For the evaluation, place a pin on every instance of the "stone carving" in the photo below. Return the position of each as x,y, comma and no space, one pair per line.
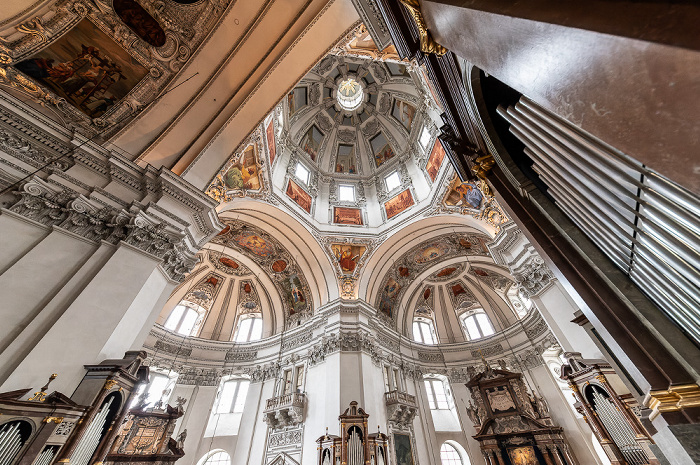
487,351
534,278
431,357
346,135
296,341
173,349
262,373
285,438
85,217
241,355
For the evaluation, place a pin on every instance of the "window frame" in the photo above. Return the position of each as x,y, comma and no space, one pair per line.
348,188
472,314
188,308
450,460
420,322
434,402
232,408
249,338
396,174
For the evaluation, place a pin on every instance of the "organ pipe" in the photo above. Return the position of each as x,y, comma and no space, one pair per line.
10,443
644,223
46,456
91,438
621,432
355,449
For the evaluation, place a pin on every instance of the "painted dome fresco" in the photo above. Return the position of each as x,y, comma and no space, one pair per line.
353,146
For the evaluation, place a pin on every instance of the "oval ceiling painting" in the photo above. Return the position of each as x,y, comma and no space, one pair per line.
140,22
445,272
255,244
430,252
279,266
228,262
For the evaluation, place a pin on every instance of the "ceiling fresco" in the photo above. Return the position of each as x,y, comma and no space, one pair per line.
96,63
276,261
419,258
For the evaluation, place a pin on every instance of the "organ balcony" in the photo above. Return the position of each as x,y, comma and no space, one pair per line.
401,407
285,410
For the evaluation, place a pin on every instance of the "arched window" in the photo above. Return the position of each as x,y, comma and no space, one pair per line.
476,324
424,331
232,396
216,457
184,318
449,455
437,395
249,328
159,388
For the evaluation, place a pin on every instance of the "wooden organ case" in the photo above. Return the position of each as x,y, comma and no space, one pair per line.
355,446
514,426
43,428
609,410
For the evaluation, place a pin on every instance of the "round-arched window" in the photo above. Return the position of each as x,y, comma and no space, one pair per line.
424,331
184,319
249,328
449,455
216,457
476,324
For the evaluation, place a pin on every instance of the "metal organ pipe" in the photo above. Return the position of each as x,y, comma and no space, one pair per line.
10,443
355,449
91,437
45,456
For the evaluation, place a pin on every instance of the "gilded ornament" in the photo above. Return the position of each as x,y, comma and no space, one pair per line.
109,384
427,43
56,420
674,399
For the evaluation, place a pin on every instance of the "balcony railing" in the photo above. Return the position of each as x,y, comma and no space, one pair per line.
398,397
401,408
296,399
285,410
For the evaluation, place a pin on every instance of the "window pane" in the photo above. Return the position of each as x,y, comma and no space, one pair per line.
188,322
472,329
287,381
243,329
226,399
397,382
425,137
174,318
440,394
300,378
218,458
392,181
416,332
155,389
302,173
256,332
431,394
449,456
485,324
239,402
387,388
346,193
